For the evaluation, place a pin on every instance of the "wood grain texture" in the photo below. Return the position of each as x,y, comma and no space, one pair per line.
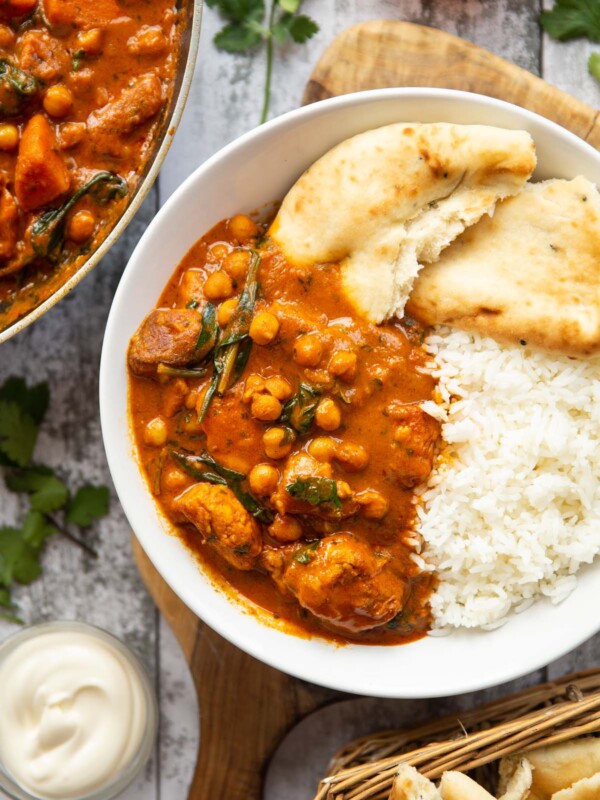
385,53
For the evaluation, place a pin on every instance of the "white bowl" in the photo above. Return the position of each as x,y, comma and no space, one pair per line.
252,171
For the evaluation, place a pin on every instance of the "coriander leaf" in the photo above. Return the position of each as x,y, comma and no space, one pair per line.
302,28
594,65
236,38
19,560
306,554
89,503
36,529
281,31
315,491
300,410
239,10
18,433
33,400
289,6
47,492
572,19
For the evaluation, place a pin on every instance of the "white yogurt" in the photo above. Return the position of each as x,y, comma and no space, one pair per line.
73,712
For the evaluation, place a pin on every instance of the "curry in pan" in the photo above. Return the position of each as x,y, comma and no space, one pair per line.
284,438
83,87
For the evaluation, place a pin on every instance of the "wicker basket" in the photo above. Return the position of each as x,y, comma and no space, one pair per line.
546,714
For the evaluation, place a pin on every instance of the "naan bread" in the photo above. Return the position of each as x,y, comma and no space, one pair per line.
386,201
586,789
456,786
409,784
529,274
559,766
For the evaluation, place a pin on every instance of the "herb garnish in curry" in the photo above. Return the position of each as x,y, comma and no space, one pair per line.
83,88
284,437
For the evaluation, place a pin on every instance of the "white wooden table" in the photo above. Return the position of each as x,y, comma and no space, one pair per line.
64,349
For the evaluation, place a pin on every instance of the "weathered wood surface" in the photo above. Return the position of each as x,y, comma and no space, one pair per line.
64,347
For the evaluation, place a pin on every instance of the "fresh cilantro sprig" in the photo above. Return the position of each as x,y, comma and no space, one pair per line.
246,30
575,19
52,508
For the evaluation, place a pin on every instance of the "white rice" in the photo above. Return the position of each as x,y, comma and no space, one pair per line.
512,508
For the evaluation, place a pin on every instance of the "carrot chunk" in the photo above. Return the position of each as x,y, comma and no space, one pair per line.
80,12
41,174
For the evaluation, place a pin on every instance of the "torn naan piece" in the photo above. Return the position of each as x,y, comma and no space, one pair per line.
391,199
515,779
457,786
409,784
585,789
559,766
530,274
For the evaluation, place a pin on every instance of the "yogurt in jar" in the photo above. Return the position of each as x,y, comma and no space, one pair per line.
74,711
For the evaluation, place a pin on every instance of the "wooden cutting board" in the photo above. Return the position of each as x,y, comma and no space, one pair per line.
247,707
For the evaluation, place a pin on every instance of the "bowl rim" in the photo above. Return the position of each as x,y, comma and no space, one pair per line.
537,657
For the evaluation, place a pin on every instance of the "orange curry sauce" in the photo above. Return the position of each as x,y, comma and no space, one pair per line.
339,570
84,87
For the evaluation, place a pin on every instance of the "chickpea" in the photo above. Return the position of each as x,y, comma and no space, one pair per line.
71,134
173,479
322,448
218,286
9,136
155,432
191,400
58,100
374,505
279,388
264,328
278,442
342,364
90,41
255,384
265,407
308,350
225,311
81,226
263,479
242,228
328,415
236,264
344,490
218,251
353,457
285,529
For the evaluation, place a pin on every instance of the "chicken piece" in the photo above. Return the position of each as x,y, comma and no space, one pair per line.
166,336
41,174
340,580
42,56
300,469
414,443
232,437
223,522
9,222
139,102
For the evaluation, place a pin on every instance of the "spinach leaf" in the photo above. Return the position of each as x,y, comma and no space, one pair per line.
316,491
233,351
16,88
205,469
300,410
47,233
209,332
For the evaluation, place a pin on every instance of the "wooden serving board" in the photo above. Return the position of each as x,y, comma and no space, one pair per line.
247,707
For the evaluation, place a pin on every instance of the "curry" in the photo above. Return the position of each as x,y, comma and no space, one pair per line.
284,437
84,86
